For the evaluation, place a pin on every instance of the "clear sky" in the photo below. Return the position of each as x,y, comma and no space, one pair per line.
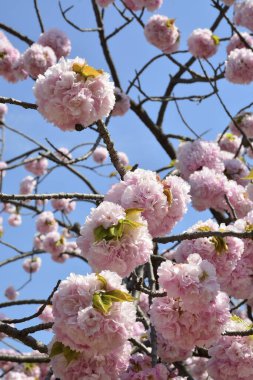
130,51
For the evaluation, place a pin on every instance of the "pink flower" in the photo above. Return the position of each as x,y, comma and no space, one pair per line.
230,142
55,244
228,2
37,59
79,325
161,32
136,5
3,111
56,40
239,66
245,122
104,3
223,254
140,368
123,158
131,247
11,293
97,367
208,190
15,220
193,156
197,368
46,222
195,282
63,154
27,185
72,94
243,14
236,170
3,165
47,314
186,328
169,352
32,265
231,359
238,43
164,202
202,43
11,67
64,205
122,103
100,154
37,166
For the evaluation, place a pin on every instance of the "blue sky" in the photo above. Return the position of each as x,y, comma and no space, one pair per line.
130,51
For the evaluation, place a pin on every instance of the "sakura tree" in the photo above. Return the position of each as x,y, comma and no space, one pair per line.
126,190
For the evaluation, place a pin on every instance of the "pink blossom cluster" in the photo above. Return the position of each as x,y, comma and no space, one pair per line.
244,121
99,367
243,14
140,368
11,65
123,158
188,328
196,366
162,32
235,169
72,94
136,5
100,154
208,190
244,40
84,325
37,166
37,59
32,265
163,202
239,66
231,358
194,282
240,283
193,156
202,43
104,3
222,253
95,338
122,103
230,142
11,293
64,205
27,185
3,111
57,40
128,247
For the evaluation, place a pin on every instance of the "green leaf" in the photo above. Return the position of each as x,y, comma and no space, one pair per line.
230,136
117,295
216,39
249,176
204,229
56,349
169,196
133,212
101,279
101,303
69,354
220,244
170,22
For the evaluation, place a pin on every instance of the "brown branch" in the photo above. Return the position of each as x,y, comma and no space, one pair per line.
16,34
18,102
198,235
102,129
35,2
23,302
41,309
25,358
26,339
18,197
